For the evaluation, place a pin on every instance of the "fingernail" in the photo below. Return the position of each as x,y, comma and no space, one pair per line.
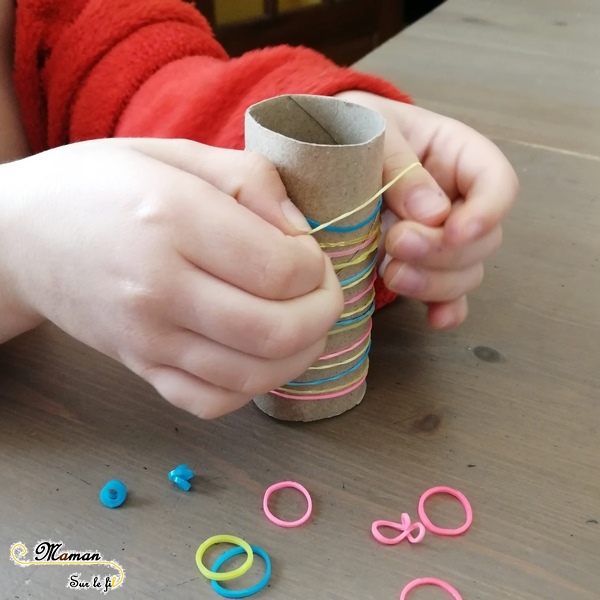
294,217
407,280
425,204
384,263
410,245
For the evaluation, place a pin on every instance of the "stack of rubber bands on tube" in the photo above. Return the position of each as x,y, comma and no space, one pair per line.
329,154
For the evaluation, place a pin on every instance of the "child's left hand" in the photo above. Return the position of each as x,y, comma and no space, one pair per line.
445,218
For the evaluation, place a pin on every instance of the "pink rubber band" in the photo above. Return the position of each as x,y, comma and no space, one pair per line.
279,486
337,394
405,527
350,348
362,294
439,530
352,249
430,581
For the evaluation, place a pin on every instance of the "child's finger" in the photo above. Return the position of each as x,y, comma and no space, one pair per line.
447,315
489,186
416,196
422,246
249,178
227,368
432,286
249,324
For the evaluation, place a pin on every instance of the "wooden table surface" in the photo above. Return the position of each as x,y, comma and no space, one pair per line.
506,409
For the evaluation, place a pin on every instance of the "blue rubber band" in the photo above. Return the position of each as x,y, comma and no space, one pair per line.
350,228
360,317
113,494
359,274
334,377
248,591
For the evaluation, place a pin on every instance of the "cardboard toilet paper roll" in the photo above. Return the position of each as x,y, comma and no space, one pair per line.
329,154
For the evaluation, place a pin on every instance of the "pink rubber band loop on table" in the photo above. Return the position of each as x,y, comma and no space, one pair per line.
451,492
430,581
322,396
282,485
405,527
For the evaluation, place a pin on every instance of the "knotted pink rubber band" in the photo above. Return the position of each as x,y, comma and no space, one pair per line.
451,492
405,527
279,486
430,581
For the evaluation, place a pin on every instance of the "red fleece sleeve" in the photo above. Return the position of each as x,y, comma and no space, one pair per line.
205,98
87,69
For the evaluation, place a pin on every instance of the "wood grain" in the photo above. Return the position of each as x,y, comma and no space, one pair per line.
506,409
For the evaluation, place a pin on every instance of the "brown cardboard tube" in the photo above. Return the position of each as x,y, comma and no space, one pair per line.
329,154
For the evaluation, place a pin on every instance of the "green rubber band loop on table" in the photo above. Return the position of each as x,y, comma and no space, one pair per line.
226,575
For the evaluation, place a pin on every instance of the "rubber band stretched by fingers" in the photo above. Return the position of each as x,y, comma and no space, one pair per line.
376,196
415,583
451,492
248,591
227,575
279,486
330,227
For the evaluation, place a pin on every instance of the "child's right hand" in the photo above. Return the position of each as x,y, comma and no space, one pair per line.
175,258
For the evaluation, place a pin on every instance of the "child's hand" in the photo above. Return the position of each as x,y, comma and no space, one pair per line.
450,212
180,260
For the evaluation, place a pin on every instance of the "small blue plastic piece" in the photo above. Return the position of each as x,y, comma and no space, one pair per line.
181,476
113,494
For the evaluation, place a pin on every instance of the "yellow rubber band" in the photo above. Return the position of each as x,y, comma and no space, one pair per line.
362,308
351,285
343,362
227,575
374,231
323,390
372,199
359,258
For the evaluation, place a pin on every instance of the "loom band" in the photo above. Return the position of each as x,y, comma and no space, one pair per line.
361,308
225,593
356,298
346,287
372,199
358,259
405,527
284,485
341,363
327,396
333,377
345,328
322,391
356,248
451,492
350,348
444,585
327,390
362,273
344,243
224,539
365,315
346,229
